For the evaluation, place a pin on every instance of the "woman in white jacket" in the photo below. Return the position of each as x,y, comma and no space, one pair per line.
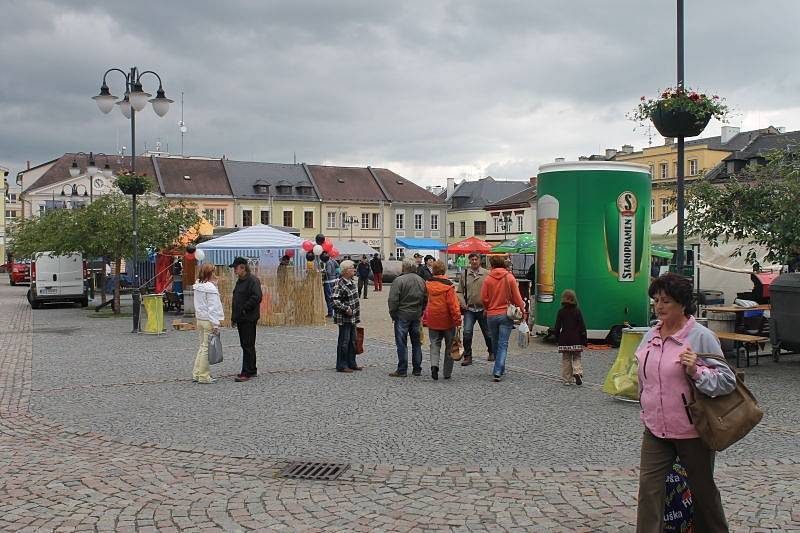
208,310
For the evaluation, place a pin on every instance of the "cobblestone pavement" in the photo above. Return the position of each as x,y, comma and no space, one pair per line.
101,430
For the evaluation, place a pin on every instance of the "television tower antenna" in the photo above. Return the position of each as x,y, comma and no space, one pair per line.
182,124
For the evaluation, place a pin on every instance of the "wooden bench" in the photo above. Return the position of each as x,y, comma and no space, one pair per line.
742,342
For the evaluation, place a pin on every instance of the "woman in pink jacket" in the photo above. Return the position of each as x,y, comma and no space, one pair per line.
667,360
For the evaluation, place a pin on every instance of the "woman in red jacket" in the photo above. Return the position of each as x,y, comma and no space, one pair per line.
500,289
442,316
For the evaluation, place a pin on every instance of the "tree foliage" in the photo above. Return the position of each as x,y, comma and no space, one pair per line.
758,206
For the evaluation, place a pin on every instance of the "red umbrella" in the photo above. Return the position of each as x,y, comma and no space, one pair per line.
470,245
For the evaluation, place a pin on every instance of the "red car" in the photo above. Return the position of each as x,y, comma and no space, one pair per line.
20,272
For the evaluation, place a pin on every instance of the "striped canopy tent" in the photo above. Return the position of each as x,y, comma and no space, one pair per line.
659,250
255,243
470,245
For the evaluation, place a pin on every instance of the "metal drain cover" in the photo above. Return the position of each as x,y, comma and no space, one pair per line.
318,471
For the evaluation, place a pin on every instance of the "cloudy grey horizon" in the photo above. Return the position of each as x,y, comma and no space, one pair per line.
431,90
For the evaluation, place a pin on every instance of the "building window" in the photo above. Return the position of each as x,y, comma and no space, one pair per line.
463,228
265,217
376,220
434,222
343,220
451,229
665,207
364,220
652,209
399,221
219,220
42,208
331,220
288,219
308,219
8,213
13,197
693,167
479,227
417,221
208,214
652,170
520,223
496,224
247,217
399,253
13,213
663,170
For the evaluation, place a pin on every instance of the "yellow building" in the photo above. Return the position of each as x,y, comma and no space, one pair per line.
702,155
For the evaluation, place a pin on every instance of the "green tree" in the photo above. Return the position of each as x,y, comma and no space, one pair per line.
105,229
758,206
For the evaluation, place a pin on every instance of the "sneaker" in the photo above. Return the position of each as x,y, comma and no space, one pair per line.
491,357
416,373
397,374
209,382
497,377
578,380
435,373
467,361
241,378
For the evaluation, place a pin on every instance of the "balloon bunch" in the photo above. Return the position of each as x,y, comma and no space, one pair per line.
192,253
322,246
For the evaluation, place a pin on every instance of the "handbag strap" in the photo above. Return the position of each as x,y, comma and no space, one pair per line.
510,292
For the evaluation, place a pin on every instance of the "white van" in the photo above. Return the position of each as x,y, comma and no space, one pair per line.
58,278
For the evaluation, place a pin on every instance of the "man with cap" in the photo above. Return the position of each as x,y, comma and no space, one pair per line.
245,312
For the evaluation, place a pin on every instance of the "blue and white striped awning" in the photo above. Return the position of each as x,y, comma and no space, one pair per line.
250,243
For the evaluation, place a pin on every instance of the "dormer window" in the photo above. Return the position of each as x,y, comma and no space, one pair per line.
303,190
284,188
261,187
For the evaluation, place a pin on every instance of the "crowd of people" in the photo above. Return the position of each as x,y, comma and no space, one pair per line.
670,357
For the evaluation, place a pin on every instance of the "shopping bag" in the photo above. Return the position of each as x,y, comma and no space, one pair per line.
422,335
214,349
523,335
359,340
678,509
623,378
457,348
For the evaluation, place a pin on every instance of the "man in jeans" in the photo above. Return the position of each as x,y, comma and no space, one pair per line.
330,276
407,299
469,296
346,314
245,312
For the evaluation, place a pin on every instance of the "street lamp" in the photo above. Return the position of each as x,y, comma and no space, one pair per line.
91,169
505,223
351,220
72,191
134,99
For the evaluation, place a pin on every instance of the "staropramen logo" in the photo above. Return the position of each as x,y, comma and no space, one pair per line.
627,205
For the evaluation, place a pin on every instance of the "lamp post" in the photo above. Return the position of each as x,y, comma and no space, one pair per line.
91,169
505,223
72,191
350,220
679,259
135,99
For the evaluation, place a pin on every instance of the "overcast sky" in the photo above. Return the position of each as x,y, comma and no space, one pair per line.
431,89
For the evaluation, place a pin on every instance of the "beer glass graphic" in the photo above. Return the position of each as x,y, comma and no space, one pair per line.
546,235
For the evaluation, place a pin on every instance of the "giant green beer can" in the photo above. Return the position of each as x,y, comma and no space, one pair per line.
593,236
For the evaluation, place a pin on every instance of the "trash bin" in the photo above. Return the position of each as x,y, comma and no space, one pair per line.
785,313
153,305
723,323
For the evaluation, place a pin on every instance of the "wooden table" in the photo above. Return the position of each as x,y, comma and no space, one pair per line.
738,311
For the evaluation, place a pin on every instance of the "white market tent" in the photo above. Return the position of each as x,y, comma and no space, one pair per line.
717,269
355,249
261,243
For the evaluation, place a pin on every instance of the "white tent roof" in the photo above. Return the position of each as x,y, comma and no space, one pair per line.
665,232
261,237
353,248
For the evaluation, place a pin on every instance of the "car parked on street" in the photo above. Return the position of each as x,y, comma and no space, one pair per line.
58,278
19,271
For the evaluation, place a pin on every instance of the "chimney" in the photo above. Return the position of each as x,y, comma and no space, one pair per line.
28,164
533,180
559,159
627,149
728,133
451,186
668,141
610,153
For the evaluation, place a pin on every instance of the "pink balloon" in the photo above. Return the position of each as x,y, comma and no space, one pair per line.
334,252
308,246
327,246
289,253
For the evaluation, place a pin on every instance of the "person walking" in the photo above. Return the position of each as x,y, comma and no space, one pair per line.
498,291
330,275
208,313
346,314
570,331
376,265
443,315
469,298
245,312
363,276
408,297
668,359
461,263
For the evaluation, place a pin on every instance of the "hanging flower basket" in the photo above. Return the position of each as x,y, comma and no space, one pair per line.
133,184
680,112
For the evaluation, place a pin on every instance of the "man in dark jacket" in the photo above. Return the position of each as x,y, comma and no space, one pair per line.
363,271
245,312
377,272
424,270
407,300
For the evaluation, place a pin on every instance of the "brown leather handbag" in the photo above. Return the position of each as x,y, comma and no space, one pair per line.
723,420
